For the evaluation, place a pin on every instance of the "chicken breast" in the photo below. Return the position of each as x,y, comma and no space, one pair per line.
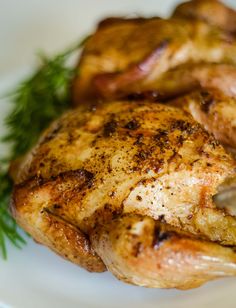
130,186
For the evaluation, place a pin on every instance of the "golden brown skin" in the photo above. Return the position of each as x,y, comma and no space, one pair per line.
160,59
97,175
212,11
219,119
214,110
146,252
186,78
122,55
211,97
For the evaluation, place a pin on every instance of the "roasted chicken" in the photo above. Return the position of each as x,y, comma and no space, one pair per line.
215,111
129,55
210,96
129,187
136,179
132,59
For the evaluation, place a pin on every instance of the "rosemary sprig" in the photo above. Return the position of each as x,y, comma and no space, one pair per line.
36,102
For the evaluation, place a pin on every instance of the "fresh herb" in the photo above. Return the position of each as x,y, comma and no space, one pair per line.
36,102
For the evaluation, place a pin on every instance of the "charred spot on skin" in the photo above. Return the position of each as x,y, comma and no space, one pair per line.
39,180
42,211
56,206
139,140
79,175
180,140
107,206
109,128
162,138
159,237
139,198
137,249
112,194
89,176
206,101
135,169
70,138
161,134
142,155
214,143
109,168
183,126
113,213
132,125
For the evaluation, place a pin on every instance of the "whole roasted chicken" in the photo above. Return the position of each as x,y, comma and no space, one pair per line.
138,179
130,187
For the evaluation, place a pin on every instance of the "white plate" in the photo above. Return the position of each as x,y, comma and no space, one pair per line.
34,276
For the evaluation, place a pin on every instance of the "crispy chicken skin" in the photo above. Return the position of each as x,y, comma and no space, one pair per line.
215,111
212,11
187,78
122,55
146,252
210,78
210,96
129,186
158,59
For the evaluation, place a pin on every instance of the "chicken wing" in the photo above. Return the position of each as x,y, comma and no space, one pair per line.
131,190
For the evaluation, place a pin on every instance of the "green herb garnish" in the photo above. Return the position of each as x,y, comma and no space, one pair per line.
36,102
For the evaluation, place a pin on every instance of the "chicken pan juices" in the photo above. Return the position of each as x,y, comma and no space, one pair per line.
139,177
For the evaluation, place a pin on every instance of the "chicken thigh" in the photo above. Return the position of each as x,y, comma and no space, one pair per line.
130,187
